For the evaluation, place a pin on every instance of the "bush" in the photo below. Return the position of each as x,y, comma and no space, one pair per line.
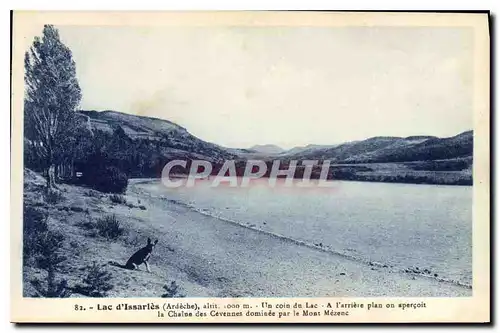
109,227
40,245
48,246
96,283
86,225
108,179
34,224
118,199
172,290
53,196
52,289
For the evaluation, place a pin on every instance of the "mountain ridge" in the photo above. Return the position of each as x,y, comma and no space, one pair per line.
378,149
382,149
175,141
267,149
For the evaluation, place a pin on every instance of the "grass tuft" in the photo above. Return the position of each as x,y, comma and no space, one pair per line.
109,227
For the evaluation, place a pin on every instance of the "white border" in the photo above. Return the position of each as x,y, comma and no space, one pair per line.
186,5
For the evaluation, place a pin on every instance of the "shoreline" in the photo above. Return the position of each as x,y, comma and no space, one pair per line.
207,257
299,249
310,245
340,180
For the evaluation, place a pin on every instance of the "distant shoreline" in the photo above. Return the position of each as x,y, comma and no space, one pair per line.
383,173
362,180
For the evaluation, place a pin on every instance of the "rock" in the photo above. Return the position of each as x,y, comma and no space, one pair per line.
342,274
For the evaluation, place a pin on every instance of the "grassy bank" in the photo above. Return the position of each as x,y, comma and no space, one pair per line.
94,233
439,172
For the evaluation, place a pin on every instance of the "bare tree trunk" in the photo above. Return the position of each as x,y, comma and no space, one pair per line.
51,177
51,172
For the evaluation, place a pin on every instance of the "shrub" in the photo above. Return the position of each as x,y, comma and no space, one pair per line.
87,225
142,207
52,289
41,246
53,196
96,283
49,244
34,224
109,179
109,227
34,220
172,290
118,199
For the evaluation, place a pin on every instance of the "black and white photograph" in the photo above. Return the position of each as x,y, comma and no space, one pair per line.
238,161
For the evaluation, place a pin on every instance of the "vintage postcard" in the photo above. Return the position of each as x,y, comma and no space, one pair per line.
250,167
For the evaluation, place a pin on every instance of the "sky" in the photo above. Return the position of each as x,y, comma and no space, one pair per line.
289,86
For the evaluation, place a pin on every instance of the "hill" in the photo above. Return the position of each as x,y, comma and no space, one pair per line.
141,146
171,141
267,149
307,148
393,149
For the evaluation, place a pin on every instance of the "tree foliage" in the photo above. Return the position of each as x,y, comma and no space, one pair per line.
52,94
97,283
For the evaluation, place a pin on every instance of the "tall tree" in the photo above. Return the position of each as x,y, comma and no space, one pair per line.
52,94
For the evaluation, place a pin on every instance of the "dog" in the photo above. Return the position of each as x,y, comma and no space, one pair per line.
141,256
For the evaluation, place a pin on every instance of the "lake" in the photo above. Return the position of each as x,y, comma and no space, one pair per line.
401,226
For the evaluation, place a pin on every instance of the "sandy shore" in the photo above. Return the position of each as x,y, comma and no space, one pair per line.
205,256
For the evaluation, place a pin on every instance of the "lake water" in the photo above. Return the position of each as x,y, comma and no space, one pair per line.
399,225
